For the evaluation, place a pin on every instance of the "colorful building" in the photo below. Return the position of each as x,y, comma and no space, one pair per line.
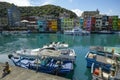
84,24
98,22
104,22
115,22
110,23
67,24
81,22
93,20
88,24
119,24
52,25
42,25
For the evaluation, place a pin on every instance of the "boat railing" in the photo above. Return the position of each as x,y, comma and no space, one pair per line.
87,54
92,68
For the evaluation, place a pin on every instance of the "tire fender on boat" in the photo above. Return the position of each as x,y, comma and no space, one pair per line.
10,56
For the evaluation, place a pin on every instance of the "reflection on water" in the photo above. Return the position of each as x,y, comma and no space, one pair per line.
81,44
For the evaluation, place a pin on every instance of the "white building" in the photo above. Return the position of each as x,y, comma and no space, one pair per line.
98,23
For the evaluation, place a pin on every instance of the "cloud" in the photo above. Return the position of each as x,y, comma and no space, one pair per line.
110,12
18,2
77,11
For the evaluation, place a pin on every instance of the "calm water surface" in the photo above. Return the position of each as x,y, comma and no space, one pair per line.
80,44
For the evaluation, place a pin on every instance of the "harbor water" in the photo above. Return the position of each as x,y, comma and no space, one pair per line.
81,44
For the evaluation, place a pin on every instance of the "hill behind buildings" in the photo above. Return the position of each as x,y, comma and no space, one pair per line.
36,10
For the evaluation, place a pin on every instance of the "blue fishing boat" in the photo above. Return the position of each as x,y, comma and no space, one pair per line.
101,56
49,61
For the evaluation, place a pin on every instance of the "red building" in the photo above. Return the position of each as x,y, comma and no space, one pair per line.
93,21
110,23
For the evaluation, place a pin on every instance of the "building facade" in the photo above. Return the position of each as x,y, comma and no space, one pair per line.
54,25
42,25
98,22
93,20
88,24
81,22
87,14
115,22
119,24
104,22
67,24
110,23
13,16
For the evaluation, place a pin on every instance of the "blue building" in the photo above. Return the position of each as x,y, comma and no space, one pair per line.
81,22
42,25
13,16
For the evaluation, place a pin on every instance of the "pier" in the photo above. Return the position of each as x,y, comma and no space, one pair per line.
18,73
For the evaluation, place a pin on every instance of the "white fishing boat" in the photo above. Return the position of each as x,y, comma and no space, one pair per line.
56,45
33,53
76,31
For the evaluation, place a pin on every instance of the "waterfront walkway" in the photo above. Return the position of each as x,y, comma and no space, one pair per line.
18,73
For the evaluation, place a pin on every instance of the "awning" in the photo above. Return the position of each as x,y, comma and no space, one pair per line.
25,21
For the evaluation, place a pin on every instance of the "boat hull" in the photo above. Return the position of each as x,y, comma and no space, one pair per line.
49,65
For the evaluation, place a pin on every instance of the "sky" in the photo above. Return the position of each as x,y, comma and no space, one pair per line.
108,7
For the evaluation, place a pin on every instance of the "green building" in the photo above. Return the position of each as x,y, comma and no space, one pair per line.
115,22
67,23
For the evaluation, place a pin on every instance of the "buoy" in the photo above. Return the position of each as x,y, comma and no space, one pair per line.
96,72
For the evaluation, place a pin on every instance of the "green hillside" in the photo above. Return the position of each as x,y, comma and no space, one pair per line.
36,10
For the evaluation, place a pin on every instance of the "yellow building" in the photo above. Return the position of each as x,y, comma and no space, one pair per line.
52,25
118,24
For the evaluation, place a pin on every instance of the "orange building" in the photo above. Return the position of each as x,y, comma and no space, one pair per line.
85,24
93,20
